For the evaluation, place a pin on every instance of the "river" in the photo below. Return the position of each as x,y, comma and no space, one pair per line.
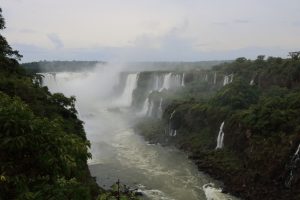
118,153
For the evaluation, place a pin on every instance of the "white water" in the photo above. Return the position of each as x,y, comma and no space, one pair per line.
172,132
130,85
227,79
156,83
220,139
144,110
166,82
158,172
172,114
182,80
251,82
160,110
293,166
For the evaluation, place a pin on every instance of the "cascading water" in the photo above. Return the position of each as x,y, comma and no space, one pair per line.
160,110
150,109
215,78
182,80
172,81
156,83
172,132
220,139
292,166
118,153
166,82
251,82
206,77
227,79
130,85
49,79
144,110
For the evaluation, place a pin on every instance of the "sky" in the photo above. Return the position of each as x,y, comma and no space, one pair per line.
151,30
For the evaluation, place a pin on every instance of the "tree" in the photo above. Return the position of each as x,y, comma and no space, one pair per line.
5,50
295,55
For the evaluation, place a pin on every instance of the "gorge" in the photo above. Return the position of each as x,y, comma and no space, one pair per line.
117,152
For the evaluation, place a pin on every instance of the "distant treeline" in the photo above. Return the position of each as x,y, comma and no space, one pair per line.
168,65
61,66
75,66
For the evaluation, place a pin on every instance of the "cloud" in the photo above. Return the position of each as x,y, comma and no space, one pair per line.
26,30
220,23
56,41
296,23
173,48
241,21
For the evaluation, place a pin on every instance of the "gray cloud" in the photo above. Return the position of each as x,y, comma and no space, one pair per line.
241,21
220,23
170,51
26,30
55,40
149,30
296,23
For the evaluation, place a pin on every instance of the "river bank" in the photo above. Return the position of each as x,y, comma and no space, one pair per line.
223,165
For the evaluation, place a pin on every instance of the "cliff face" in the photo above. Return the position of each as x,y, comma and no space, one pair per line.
255,151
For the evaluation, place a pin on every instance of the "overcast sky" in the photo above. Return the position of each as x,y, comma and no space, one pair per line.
141,30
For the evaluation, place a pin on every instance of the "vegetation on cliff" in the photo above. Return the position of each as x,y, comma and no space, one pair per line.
260,110
43,147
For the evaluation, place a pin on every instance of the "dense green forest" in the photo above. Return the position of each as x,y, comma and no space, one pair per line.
260,110
43,145
44,149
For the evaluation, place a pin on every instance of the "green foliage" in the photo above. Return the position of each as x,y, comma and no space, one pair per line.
118,192
43,147
6,51
262,123
35,151
237,95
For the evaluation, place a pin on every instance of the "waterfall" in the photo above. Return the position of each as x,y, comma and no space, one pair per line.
175,133
206,77
169,81
156,83
220,142
292,166
172,132
144,110
215,78
231,78
176,80
150,108
172,114
160,111
130,85
182,80
251,82
166,82
227,79
49,80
